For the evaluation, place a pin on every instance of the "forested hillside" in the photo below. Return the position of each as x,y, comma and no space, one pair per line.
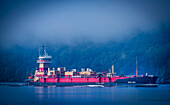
152,49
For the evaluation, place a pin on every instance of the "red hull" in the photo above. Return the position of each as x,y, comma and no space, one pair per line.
80,80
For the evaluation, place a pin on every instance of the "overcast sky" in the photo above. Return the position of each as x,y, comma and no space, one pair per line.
32,22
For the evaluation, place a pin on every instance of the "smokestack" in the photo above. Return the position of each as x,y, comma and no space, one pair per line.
136,67
113,69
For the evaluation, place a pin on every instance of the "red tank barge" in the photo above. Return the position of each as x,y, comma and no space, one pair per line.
45,76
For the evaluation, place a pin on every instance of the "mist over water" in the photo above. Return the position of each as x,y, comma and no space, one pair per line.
29,23
85,34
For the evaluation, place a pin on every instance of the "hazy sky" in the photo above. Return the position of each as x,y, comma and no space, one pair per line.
30,22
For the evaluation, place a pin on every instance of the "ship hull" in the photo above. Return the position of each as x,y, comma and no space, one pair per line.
140,80
133,81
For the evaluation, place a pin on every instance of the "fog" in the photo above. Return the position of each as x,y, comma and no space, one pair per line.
31,22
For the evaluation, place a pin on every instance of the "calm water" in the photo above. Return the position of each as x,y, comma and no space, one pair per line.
29,95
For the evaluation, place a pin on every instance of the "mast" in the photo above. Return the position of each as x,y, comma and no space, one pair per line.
39,52
136,67
44,61
42,51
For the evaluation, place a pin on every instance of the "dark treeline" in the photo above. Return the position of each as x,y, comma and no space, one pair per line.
152,49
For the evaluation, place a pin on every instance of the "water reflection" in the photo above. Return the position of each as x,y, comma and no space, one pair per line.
84,95
71,93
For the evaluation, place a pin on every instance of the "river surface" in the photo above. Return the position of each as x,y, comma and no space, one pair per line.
30,95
